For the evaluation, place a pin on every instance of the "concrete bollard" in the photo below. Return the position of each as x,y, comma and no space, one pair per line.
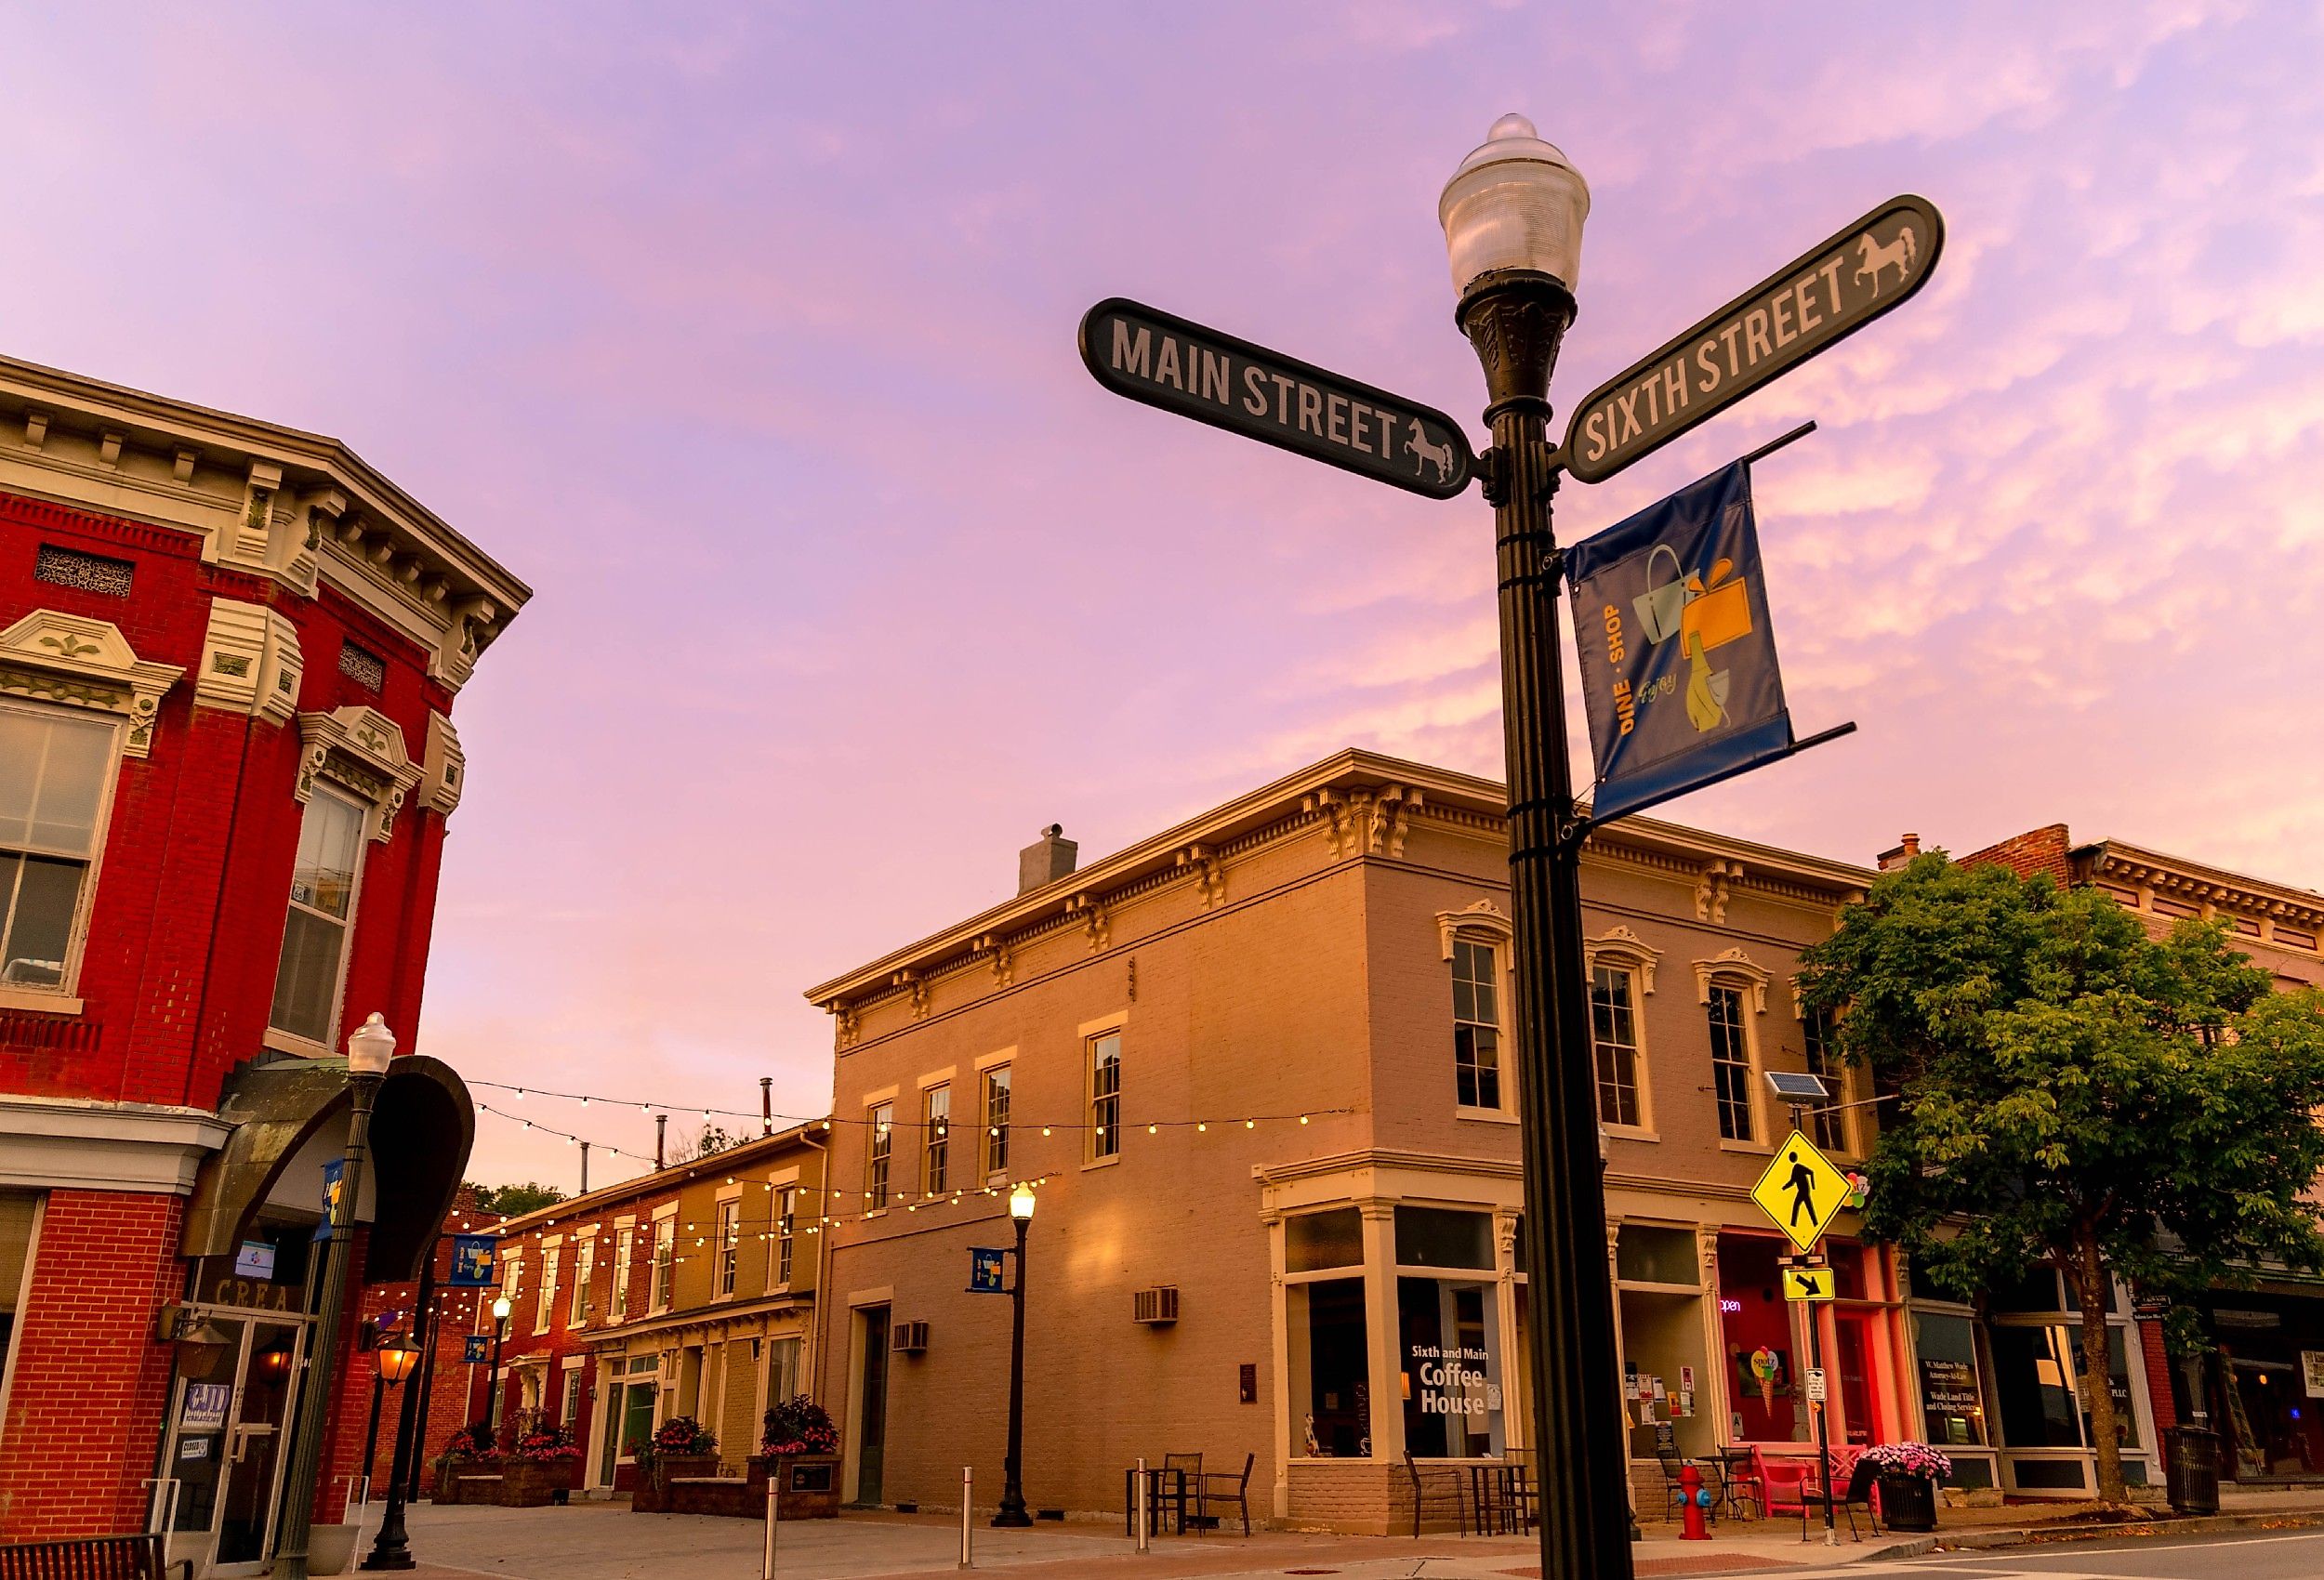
775,1494
967,1520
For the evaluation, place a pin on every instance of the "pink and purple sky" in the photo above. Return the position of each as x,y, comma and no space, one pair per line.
745,336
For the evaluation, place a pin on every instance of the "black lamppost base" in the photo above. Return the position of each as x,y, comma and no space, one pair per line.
1012,1518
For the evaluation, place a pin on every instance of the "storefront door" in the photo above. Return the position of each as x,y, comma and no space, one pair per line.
871,1438
1858,1411
226,1448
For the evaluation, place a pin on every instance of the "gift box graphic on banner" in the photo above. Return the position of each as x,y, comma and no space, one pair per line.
1678,659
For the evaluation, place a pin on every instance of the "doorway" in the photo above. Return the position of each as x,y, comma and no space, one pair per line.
227,1448
871,1392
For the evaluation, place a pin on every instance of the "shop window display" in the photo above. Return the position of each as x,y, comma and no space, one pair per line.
1330,1391
1756,1333
1450,1356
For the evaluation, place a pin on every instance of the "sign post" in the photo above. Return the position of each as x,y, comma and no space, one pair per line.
1799,1191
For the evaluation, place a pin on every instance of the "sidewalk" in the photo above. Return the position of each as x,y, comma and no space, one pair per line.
602,1541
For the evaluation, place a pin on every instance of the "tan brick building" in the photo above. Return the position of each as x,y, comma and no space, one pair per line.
1260,1060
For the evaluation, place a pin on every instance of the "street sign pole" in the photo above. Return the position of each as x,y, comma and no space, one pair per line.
1517,318
1819,1408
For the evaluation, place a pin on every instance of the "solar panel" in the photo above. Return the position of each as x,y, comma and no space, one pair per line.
1794,1086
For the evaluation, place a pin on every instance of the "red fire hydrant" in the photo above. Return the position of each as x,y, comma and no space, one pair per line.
1694,1498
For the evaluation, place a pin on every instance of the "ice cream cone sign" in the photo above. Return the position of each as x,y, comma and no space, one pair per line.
1766,1366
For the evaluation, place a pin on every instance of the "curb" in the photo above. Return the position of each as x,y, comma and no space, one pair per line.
2036,1535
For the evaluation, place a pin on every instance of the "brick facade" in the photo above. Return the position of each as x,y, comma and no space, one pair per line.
195,583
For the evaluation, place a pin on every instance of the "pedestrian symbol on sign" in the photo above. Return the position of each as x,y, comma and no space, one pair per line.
1800,1190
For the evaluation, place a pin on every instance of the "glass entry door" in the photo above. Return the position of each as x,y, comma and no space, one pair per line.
227,1445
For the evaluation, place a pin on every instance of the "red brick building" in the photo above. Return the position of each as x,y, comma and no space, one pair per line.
229,652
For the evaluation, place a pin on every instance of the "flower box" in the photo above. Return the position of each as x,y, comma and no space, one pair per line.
652,1493
809,1486
531,1483
461,1479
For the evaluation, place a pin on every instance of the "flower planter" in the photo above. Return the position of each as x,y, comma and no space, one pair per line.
467,1481
652,1495
810,1483
531,1483
1908,1503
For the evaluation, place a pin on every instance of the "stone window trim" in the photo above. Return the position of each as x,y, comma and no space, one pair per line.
1736,969
1620,946
1486,922
361,750
54,657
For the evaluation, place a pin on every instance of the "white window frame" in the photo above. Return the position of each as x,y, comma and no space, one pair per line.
880,1155
726,1243
935,1139
545,1309
583,1305
783,1200
1484,922
62,997
569,1397
1624,950
291,1042
1102,1143
993,1139
662,1269
1498,953
1642,1126
618,1297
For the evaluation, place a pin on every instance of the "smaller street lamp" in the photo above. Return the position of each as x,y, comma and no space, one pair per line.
1013,1511
391,1363
500,1331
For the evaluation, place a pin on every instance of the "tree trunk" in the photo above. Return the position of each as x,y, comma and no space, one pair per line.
2096,1290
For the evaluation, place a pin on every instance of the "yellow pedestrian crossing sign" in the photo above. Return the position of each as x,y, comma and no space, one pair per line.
1808,1284
1800,1190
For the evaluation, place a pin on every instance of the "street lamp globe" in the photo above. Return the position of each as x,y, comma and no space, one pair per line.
1020,1204
397,1357
370,1045
1515,203
500,1309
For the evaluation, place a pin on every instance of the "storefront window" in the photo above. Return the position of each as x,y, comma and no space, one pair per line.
2034,1378
17,1210
1952,1405
1756,1330
1328,1368
1450,1354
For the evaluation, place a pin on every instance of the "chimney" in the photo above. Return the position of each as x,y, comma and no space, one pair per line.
1046,860
1907,846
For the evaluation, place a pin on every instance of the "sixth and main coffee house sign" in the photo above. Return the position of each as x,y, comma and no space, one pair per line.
1827,294
1165,360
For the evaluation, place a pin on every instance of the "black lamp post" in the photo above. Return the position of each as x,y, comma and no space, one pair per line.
500,1331
369,1048
1012,1478
1513,215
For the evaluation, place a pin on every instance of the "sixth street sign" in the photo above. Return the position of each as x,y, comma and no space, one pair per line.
1818,300
1166,361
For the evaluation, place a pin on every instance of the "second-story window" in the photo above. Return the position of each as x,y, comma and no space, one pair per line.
55,770
617,1297
1828,1126
785,1231
878,1152
1614,1040
665,1253
1476,1024
322,913
584,1268
935,1139
1731,1064
996,1120
541,1313
729,1237
1106,1096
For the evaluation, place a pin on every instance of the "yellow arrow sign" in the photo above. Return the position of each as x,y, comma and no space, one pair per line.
1808,1284
1800,1190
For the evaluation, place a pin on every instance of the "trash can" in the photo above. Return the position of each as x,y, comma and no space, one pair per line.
2191,1469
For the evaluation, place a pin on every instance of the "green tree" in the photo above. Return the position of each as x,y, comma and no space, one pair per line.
2074,1090
513,1201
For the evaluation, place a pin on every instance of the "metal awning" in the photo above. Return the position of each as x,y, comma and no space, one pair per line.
422,1125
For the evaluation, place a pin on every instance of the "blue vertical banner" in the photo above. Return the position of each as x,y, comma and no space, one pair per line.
334,1173
475,1349
1678,657
984,1271
473,1265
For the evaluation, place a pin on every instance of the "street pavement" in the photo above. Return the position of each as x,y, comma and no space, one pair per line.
605,1541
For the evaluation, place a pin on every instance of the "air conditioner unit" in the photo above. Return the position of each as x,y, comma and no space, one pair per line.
1157,1305
909,1338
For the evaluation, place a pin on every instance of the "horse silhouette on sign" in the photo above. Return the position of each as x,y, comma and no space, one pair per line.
1423,452
1872,258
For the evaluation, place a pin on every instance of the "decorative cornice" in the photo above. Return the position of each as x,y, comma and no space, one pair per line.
1711,890
54,657
443,771
363,750
1210,873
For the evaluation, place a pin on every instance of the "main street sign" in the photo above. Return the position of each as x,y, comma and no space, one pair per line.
1800,1190
1818,300
1165,360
